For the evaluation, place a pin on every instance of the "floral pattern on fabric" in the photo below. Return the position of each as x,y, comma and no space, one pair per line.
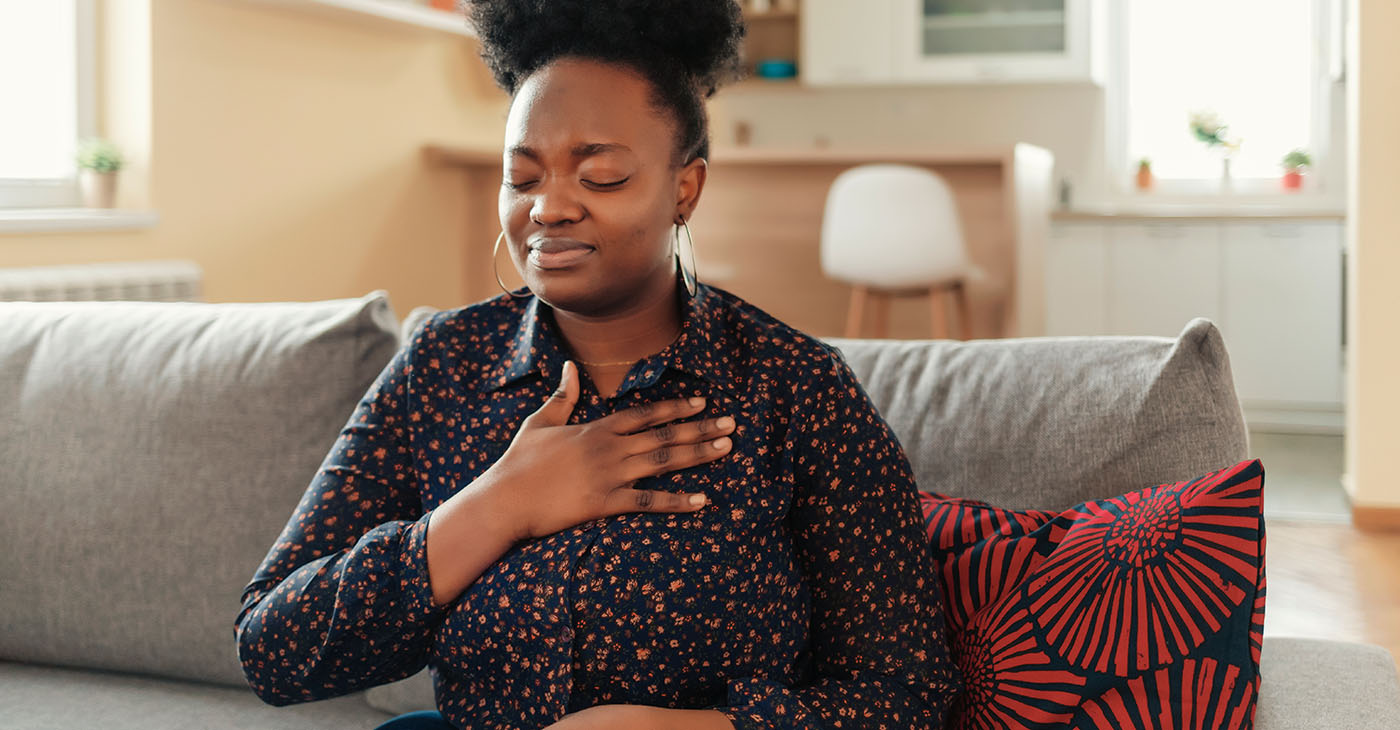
801,596
1139,611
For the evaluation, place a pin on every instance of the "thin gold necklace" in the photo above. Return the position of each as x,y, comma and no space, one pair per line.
623,362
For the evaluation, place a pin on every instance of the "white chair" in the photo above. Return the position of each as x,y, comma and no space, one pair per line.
893,230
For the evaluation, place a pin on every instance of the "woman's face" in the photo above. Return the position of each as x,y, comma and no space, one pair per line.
588,176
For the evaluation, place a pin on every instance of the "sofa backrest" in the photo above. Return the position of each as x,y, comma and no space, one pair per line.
152,453
1048,422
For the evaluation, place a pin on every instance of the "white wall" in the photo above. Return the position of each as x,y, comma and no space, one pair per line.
1373,238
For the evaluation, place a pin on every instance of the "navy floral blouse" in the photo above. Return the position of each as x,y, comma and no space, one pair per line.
802,595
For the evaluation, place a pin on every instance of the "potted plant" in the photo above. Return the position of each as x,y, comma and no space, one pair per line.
1144,174
99,161
1293,165
1208,127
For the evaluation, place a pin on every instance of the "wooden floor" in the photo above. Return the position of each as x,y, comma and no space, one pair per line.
1332,581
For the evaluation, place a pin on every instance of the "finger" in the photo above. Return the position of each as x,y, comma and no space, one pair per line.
646,415
672,434
625,499
560,404
673,458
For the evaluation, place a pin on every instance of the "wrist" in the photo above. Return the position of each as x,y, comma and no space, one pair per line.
504,515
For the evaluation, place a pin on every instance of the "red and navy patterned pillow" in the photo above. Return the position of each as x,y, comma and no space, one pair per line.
1140,611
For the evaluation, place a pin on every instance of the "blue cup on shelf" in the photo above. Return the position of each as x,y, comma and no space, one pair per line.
777,68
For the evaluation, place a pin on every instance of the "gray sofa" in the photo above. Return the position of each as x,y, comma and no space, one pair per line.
152,452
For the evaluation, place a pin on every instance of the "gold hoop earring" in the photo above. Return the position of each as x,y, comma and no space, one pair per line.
692,283
494,253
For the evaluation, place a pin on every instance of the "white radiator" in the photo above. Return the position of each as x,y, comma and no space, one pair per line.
153,281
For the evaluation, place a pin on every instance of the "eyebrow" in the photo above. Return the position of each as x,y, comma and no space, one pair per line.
587,149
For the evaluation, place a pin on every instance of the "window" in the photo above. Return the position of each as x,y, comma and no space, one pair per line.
47,74
1261,66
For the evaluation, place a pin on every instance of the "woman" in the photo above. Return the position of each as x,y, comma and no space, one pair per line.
509,504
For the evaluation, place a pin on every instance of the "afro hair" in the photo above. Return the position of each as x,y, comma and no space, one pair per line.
685,48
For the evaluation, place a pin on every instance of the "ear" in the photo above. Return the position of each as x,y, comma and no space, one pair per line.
689,184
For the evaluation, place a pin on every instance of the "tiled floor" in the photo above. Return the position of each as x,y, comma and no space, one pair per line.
1302,476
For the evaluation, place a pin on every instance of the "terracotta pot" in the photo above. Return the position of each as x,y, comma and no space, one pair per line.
1144,177
1293,180
99,189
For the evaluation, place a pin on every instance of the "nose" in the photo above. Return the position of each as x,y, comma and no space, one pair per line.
555,203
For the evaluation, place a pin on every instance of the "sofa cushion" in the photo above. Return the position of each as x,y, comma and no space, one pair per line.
1112,614
50,698
1311,684
1048,422
152,453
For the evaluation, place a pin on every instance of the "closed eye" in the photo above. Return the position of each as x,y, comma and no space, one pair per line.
522,185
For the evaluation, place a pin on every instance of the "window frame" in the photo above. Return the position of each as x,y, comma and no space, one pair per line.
1324,146
64,192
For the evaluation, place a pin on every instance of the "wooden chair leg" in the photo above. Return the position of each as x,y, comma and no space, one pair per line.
882,314
939,313
855,313
964,312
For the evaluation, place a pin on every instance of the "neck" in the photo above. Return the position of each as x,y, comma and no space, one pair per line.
639,332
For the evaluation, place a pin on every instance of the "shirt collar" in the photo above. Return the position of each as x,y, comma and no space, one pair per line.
702,349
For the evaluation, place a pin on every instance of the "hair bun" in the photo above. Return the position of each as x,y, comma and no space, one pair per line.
699,38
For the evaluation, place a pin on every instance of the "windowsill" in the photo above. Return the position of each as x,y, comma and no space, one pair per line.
47,220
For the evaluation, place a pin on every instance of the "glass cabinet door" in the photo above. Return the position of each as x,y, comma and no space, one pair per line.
988,41
993,27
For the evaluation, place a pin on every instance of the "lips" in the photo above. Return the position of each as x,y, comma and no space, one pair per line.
558,253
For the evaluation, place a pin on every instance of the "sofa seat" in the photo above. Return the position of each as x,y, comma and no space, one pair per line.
39,697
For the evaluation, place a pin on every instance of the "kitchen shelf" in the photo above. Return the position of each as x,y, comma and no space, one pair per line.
752,16
400,13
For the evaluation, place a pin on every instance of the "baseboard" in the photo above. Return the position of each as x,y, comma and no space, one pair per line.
1378,519
1273,419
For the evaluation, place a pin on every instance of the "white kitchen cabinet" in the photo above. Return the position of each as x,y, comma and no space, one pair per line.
845,42
1076,272
1161,275
1272,287
953,41
1282,315
990,41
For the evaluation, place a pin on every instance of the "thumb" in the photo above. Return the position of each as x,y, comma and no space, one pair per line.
560,404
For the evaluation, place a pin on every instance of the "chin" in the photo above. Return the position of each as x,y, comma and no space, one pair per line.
570,291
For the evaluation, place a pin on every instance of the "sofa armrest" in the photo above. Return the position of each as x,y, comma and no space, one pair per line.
1316,684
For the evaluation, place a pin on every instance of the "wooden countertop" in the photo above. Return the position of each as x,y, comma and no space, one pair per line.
1183,213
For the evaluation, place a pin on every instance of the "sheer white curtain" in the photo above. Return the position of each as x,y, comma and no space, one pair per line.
1253,62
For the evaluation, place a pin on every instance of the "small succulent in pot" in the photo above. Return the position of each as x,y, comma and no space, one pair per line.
99,160
1294,163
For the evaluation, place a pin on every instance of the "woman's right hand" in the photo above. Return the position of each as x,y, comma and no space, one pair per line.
555,475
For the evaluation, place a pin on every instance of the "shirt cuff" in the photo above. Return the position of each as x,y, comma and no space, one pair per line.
414,583
759,703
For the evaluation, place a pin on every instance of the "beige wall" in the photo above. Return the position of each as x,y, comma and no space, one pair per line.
1373,238
284,151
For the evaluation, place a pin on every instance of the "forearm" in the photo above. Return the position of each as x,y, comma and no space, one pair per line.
466,534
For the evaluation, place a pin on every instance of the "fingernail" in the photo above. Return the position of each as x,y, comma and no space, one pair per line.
697,401
725,422
721,443
697,499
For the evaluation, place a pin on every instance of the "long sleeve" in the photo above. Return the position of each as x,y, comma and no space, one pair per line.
342,601
879,654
